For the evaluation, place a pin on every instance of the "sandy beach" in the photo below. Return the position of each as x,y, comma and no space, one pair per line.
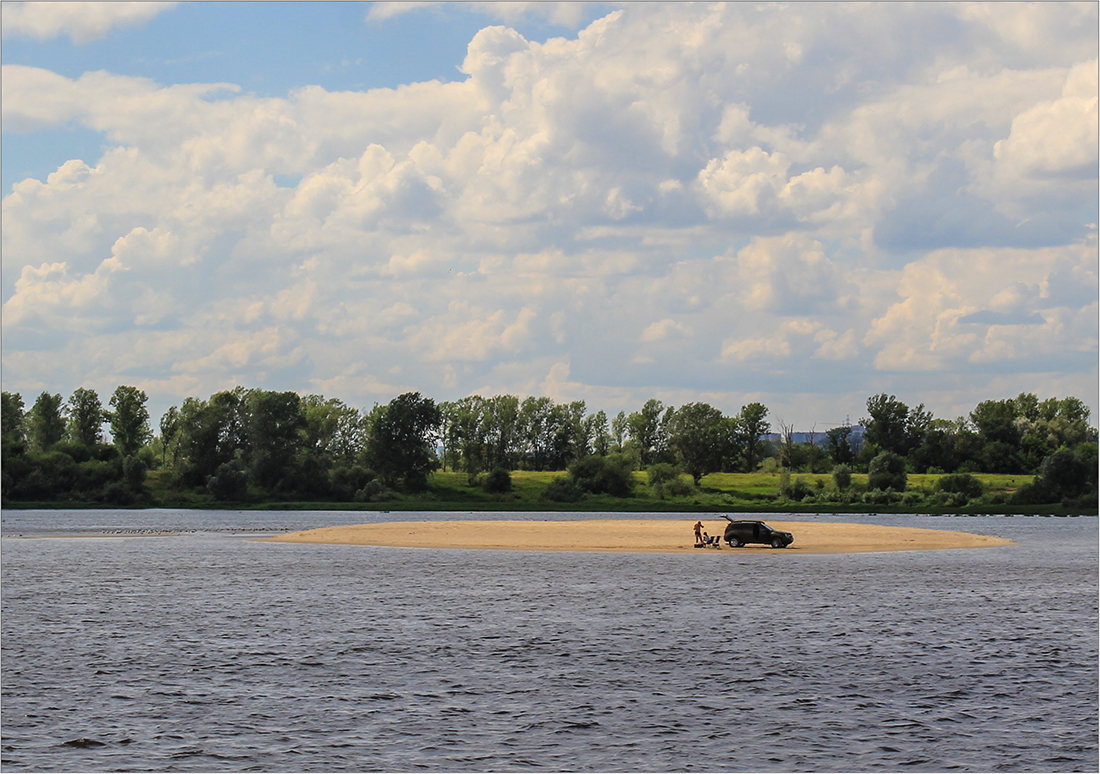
635,536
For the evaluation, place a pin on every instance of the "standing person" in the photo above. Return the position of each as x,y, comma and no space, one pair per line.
698,533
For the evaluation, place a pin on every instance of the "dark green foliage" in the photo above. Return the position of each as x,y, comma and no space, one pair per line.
604,475
11,418
45,422
661,474
497,481
696,437
273,432
665,481
229,482
893,426
842,477
837,445
562,489
129,420
347,480
401,439
751,425
85,417
133,471
797,490
1064,476
887,471
960,483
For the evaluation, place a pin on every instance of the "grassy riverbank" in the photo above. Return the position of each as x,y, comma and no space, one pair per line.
718,492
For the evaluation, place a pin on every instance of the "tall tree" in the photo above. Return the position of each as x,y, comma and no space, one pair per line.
893,426
695,435
46,421
837,445
169,434
12,424
536,420
401,442
619,430
646,430
275,422
129,419
753,425
85,417
501,427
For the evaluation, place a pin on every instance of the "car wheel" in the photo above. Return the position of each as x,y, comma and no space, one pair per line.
777,543
736,543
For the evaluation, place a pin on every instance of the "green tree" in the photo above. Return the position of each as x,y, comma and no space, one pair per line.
169,434
274,439
647,431
837,445
401,440
12,427
842,477
85,417
887,471
537,425
893,426
464,428
129,420
596,429
695,435
619,430
46,422
501,431
333,430
752,426
211,433
603,475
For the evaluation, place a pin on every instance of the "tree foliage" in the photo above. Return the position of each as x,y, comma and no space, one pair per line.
45,422
129,420
400,440
85,417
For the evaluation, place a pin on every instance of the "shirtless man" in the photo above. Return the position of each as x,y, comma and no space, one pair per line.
698,533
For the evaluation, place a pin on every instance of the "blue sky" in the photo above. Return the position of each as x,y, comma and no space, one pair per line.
798,204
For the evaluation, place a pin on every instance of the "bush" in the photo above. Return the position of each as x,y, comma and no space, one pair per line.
562,490
665,481
117,493
887,471
229,482
134,470
1063,477
346,481
374,491
842,477
604,475
961,483
498,481
661,473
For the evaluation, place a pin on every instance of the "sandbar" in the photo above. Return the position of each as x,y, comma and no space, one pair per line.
635,536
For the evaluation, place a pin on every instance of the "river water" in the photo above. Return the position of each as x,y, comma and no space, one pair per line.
173,641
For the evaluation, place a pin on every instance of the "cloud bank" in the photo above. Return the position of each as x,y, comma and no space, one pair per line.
80,21
802,205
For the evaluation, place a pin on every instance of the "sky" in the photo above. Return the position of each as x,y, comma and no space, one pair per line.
799,204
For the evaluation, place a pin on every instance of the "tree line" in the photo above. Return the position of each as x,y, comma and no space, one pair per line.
260,443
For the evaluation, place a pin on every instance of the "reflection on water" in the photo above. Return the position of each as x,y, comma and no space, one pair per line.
205,651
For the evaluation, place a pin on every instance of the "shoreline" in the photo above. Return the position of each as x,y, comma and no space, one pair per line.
634,536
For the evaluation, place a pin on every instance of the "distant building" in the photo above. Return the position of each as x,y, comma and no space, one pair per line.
855,439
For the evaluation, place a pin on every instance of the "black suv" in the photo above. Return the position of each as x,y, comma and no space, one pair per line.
738,533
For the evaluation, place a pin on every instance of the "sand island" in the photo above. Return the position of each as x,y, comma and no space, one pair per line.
635,536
